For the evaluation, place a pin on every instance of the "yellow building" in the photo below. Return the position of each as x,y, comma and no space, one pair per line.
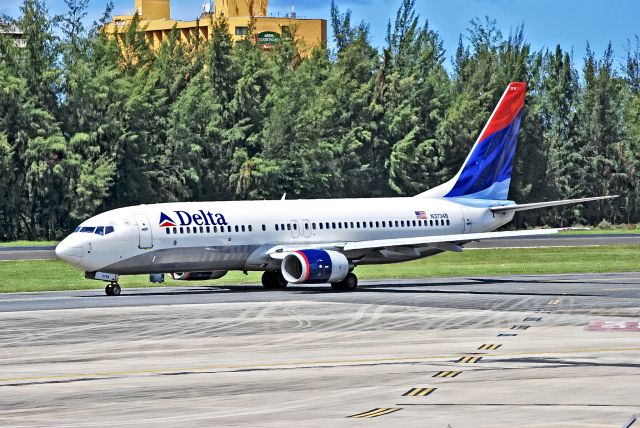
269,31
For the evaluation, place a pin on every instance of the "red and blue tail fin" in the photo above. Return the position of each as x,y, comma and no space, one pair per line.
486,174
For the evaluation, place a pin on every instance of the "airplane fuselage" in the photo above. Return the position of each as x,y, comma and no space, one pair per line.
221,236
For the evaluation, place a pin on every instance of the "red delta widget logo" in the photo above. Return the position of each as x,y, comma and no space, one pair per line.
199,218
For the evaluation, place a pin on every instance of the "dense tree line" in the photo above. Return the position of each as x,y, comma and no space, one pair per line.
89,124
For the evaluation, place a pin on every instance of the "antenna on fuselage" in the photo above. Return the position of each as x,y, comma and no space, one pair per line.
284,196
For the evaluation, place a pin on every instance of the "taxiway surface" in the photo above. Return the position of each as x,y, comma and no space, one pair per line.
526,351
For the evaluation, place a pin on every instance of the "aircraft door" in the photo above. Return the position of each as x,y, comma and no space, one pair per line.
306,228
466,219
144,231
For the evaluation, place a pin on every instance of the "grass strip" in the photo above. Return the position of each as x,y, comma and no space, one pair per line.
54,275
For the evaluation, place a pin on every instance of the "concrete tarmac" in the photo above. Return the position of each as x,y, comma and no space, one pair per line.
526,351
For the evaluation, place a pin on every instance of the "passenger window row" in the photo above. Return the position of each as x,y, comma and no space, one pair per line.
315,226
208,229
377,224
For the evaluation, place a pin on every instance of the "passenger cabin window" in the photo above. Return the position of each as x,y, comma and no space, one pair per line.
264,227
277,228
175,230
448,222
250,228
168,231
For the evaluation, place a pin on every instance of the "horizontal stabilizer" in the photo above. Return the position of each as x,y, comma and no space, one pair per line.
524,207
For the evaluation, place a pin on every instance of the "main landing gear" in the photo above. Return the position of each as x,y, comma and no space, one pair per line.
113,289
349,283
274,281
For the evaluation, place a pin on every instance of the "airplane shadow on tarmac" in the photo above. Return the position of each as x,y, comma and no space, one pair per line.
404,288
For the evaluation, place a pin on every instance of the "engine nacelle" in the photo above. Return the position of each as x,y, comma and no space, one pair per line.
314,267
198,276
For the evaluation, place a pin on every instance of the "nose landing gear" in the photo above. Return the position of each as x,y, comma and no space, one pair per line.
113,289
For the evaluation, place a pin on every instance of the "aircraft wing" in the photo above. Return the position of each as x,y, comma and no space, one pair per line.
442,242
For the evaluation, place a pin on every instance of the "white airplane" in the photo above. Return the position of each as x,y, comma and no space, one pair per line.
312,241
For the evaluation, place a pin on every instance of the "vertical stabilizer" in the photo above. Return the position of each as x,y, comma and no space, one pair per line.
486,173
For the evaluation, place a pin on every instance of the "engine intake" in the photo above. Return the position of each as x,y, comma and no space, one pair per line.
315,267
198,276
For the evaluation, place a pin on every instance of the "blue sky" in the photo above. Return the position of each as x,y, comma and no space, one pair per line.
547,22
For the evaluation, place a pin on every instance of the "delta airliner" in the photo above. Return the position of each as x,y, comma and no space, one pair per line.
312,241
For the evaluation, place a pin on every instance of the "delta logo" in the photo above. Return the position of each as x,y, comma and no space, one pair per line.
200,218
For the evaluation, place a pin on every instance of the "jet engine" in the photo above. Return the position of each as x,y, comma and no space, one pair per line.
198,276
314,267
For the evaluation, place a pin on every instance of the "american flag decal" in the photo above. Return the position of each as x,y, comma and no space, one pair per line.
421,215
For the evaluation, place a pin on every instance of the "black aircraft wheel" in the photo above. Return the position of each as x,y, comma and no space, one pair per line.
349,283
116,290
281,283
112,290
274,281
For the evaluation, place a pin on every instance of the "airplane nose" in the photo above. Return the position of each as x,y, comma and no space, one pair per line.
69,253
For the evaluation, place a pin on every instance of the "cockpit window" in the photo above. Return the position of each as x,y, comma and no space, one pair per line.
100,230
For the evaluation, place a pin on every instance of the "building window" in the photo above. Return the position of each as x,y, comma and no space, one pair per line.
242,31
